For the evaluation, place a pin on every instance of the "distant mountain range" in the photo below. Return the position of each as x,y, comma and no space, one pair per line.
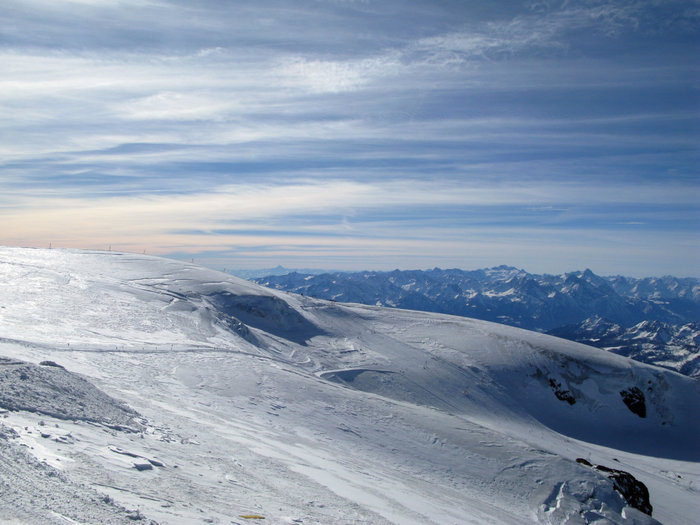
252,274
656,342
655,320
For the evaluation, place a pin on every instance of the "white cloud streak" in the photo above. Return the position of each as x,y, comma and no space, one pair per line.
239,205
247,219
335,114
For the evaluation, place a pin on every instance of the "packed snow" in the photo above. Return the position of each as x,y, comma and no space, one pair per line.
139,389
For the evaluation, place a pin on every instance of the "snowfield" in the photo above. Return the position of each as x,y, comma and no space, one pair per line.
136,389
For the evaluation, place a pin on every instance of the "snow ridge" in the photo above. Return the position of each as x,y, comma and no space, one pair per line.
565,305
249,401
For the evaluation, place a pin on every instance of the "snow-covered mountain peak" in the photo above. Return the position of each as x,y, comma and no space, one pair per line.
309,411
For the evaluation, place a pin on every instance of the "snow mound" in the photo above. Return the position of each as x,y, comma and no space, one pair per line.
265,312
115,301
583,501
52,390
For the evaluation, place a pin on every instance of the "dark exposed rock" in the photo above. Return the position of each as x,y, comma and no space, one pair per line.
634,399
632,490
51,363
562,395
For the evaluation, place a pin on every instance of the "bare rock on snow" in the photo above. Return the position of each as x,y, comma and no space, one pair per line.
561,393
51,363
634,399
635,492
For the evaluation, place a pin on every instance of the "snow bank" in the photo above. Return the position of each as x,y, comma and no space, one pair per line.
51,390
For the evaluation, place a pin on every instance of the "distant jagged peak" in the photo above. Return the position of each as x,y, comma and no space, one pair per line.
597,323
658,288
504,267
504,272
653,330
586,275
648,324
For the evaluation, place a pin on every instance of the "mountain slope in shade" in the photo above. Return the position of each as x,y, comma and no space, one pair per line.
559,304
256,402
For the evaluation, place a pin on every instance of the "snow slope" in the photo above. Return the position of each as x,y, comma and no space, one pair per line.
607,312
508,295
254,402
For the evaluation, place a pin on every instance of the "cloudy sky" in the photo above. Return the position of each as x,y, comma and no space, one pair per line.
549,135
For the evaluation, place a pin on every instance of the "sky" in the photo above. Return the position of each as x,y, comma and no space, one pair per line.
548,135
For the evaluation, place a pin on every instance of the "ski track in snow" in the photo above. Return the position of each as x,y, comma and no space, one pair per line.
378,416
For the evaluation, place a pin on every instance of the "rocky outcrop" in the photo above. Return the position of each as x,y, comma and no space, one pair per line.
561,393
635,493
634,399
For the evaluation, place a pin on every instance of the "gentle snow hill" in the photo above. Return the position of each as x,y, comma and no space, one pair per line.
259,402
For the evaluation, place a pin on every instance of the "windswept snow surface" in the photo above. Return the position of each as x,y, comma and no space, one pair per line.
253,402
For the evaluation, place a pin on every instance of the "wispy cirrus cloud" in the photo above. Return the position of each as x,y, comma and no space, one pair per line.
238,204
418,122
312,219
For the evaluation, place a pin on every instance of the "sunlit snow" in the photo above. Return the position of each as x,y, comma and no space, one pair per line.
254,402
